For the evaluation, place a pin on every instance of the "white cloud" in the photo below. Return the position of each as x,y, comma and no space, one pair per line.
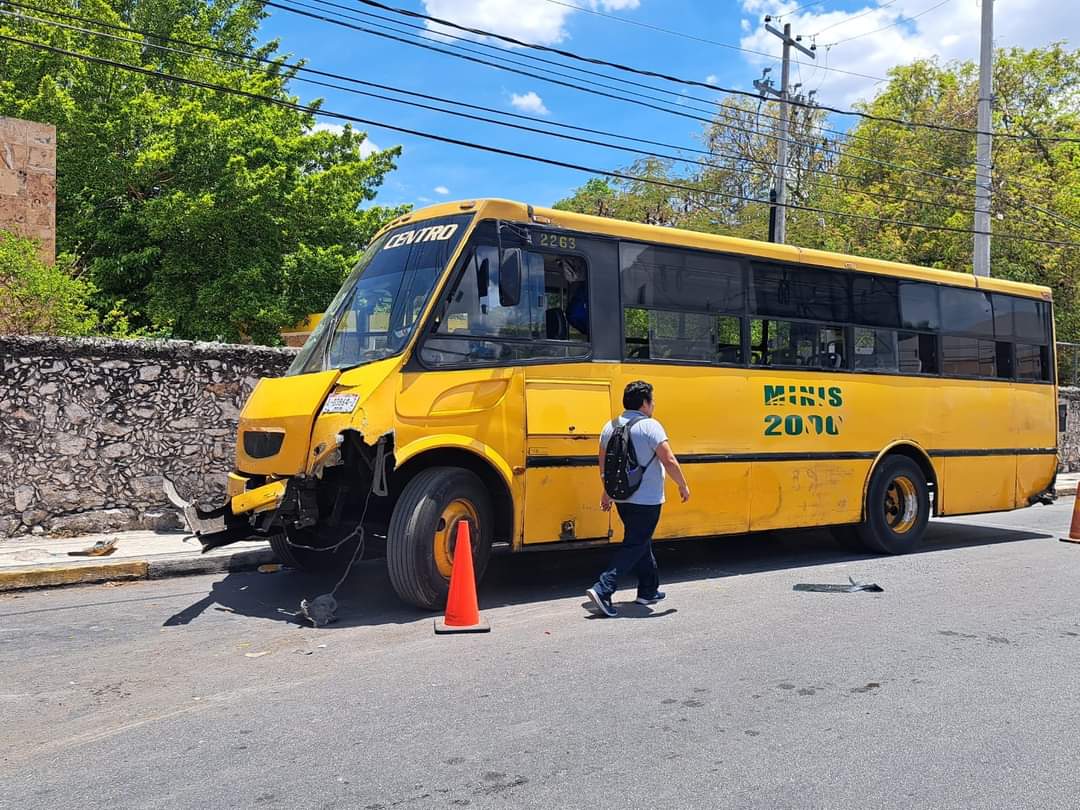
322,126
537,22
529,103
949,32
442,190
367,148
711,79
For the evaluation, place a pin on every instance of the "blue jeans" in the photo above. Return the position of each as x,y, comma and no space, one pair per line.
635,554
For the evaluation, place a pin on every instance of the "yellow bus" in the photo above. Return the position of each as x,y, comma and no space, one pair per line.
466,368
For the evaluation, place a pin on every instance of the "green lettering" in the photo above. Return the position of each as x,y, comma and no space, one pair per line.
774,395
836,398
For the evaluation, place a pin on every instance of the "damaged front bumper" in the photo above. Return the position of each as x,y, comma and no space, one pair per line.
270,507
234,520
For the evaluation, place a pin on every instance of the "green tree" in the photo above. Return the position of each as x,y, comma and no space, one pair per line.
205,214
39,298
738,166
1036,180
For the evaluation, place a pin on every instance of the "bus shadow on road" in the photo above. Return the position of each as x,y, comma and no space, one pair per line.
367,598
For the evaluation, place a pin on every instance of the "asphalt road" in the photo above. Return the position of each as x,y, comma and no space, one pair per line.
956,687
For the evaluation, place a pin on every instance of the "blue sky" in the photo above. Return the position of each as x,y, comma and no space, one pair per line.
884,34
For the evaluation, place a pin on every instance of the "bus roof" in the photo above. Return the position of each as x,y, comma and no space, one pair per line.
493,208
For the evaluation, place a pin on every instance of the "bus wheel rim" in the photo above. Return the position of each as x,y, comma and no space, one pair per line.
901,504
446,531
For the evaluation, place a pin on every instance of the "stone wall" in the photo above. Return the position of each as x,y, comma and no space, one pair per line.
1069,440
28,182
89,426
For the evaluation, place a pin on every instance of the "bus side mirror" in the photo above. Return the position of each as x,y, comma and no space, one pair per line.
510,278
483,277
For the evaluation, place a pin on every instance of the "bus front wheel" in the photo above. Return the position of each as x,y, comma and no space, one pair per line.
421,540
307,550
897,507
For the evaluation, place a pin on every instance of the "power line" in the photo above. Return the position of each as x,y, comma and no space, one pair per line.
691,82
424,43
712,153
483,119
353,80
800,8
695,38
651,27
679,97
846,20
902,19
315,111
335,20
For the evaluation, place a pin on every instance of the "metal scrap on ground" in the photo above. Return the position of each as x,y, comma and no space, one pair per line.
320,610
855,586
102,548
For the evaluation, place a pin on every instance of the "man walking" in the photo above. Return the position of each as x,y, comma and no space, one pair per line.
639,491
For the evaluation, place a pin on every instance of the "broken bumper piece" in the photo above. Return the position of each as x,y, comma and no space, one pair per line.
234,520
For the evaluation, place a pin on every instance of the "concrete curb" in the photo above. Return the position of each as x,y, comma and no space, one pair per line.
1066,489
51,575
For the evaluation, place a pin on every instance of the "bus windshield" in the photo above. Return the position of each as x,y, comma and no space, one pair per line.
376,309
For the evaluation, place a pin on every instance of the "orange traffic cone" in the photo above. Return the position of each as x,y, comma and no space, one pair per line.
1074,529
462,610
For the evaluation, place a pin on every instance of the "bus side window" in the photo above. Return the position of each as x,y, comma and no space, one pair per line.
1022,330
491,320
681,305
917,353
565,297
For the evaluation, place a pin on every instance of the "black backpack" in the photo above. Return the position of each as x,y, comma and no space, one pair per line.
622,472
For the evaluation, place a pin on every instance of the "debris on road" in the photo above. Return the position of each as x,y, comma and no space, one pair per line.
259,654
320,610
270,568
854,587
102,548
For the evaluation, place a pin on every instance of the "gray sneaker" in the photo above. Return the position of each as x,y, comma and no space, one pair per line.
601,603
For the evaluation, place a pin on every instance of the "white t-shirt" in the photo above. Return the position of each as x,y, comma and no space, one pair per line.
646,434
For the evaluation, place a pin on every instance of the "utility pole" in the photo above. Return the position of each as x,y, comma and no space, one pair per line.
982,154
778,209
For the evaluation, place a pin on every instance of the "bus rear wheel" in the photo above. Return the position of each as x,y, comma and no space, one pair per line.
421,540
897,507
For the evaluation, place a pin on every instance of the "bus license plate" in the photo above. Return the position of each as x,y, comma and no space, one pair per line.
340,403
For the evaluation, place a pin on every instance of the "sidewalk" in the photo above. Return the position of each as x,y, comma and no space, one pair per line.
38,562
1066,484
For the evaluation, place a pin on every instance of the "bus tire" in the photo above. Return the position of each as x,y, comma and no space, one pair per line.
420,540
285,549
897,507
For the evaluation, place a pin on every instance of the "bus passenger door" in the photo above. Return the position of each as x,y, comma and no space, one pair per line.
565,410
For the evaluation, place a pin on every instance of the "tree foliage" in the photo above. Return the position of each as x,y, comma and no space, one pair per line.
39,298
898,173
203,213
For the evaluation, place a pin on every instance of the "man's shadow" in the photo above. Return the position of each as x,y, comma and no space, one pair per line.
628,610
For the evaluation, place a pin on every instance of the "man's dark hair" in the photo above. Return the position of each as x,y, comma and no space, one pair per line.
636,394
